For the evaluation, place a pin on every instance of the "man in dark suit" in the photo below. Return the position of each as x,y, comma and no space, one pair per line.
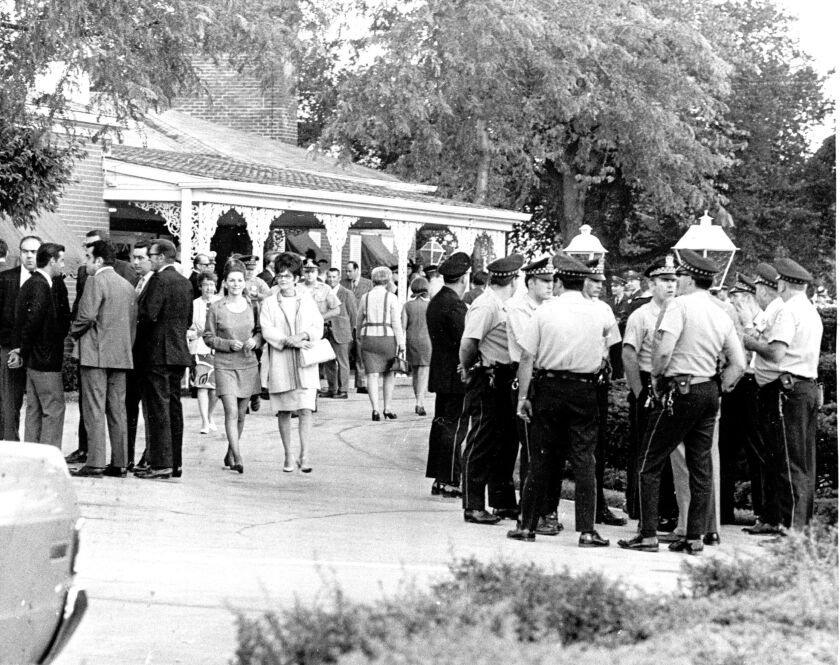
124,270
359,286
105,329
165,313
339,332
445,320
42,319
267,275
13,379
201,265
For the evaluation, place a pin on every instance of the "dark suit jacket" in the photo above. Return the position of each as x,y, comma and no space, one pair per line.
445,320
9,288
164,314
361,288
341,326
122,268
42,319
267,276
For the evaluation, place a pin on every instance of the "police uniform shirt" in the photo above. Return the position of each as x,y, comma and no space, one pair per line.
613,336
323,296
519,312
566,334
640,333
487,322
702,330
798,325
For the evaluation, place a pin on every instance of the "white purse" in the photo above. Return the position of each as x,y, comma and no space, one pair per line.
320,352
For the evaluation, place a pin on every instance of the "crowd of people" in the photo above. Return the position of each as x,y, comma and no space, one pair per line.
517,370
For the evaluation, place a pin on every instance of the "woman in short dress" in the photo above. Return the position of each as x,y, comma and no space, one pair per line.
290,321
380,335
233,331
418,344
202,375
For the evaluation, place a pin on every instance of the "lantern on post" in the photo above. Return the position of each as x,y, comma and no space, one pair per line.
585,247
711,241
432,252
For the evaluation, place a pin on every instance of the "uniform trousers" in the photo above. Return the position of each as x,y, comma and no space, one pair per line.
739,431
12,389
103,400
446,436
44,408
161,393
789,427
690,420
564,425
682,484
639,412
338,371
356,359
523,431
490,449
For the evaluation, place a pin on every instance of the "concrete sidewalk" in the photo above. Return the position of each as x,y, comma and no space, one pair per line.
165,563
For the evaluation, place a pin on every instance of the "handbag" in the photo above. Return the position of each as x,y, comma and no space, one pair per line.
320,352
399,364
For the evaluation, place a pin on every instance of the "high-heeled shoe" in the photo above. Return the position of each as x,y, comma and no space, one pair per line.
419,410
304,468
238,468
375,416
288,469
229,460
390,415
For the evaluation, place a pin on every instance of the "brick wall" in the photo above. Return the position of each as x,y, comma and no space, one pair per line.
238,101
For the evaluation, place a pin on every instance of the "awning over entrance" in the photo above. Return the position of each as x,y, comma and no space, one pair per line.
374,254
301,243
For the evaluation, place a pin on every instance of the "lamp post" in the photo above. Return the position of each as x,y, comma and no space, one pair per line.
432,252
585,247
711,241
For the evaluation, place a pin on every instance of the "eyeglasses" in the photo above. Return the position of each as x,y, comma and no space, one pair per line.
154,253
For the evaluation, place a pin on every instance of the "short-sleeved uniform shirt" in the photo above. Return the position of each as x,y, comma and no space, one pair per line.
566,334
519,311
323,296
487,322
640,333
703,330
798,325
614,336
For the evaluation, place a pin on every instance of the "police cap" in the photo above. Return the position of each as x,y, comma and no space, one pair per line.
506,266
566,266
743,284
541,269
694,265
664,268
455,266
790,271
631,274
766,274
596,270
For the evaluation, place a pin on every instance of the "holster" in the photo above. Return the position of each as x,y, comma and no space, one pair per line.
682,383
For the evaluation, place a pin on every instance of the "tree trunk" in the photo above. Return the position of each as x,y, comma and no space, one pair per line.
484,160
574,198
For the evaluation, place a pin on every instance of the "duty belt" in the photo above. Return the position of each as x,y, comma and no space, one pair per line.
788,381
570,376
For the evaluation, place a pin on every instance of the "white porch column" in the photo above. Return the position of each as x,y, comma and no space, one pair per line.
466,238
404,234
499,245
337,227
185,231
258,222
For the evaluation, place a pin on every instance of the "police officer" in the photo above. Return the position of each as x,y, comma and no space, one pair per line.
563,347
786,362
637,354
539,278
691,336
490,449
445,321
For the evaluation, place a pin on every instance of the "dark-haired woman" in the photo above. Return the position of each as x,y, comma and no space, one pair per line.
418,344
290,321
233,331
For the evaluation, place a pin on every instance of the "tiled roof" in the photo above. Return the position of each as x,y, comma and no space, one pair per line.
222,168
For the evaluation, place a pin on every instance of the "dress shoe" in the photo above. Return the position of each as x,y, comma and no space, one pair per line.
76,457
608,517
288,469
361,391
389,415
437,488
451,492
640,544
304,467
419,410
506,513
671,537
129,467
341,395
177,473
143,463
114,472
711,538
236,467
592,539
326,393
548,527
521,534
481,517
88,472
667,524
762,529
375,416
687,546
204,430
255,403
153,474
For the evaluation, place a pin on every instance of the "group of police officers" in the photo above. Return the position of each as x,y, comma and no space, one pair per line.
528,374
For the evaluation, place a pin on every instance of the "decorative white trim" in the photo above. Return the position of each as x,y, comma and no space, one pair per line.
466,238
171,213
337,227
258,223
404,235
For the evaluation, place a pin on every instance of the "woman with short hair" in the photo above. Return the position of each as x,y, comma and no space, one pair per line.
381,338
418,344
202,375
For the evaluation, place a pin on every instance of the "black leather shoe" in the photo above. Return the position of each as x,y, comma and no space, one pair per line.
154,474
506,513
340,396
374,416
521,534
389,415
87,472
361,391
177,473
114,472
711,538
419,410
667,524
639,544
76,457
326,393
480,517
451,492
592,539
546,526
606,516
687,546
437,488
